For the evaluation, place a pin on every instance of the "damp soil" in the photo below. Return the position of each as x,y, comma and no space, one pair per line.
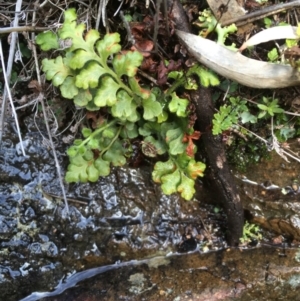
125,240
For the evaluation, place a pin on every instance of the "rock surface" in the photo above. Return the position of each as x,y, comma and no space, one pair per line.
125,217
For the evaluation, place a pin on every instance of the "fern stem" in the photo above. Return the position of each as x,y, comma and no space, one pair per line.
98,131
111,143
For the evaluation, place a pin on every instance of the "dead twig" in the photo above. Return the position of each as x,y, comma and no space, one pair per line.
130,37
156,26
8,30
10,99
56,196
7,76
101,13
262,13
274,145
41,100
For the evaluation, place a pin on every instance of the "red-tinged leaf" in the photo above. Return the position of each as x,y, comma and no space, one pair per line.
138,30
137,89
149,65
195,169
191,146
144,46
97,119
162,72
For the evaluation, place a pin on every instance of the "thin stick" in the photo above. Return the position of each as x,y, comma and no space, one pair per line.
7,77
101,13
165,5
262,13
156,24
41,99
10,99
56,196
127,27
285,112
267,144
116,12
8,30
98,16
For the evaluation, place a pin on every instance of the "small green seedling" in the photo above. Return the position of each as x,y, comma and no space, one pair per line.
250,232
209,23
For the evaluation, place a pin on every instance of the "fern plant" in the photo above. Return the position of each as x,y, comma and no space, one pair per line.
230,114
97,75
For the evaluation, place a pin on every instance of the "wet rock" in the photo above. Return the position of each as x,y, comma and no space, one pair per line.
268,200
7,226
121,217
48,249
232,274
17,243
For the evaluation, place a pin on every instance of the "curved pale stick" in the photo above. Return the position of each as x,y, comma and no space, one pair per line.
235,66
271,34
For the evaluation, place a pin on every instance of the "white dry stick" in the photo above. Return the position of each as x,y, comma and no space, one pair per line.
98,16
296,158
7,30
10,98
270,34
118,9
58,170
41,100
235,66
10,62
275,143
290,155
101,13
